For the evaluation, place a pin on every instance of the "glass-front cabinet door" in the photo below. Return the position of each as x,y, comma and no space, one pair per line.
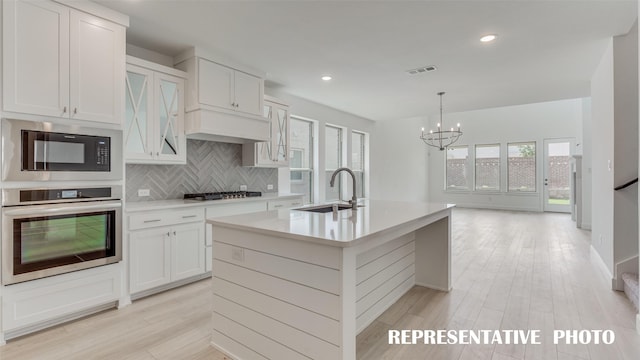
264,155
137,125
169,132
280,135
275,152
154,115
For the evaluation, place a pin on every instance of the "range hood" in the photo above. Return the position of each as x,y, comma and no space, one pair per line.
228,127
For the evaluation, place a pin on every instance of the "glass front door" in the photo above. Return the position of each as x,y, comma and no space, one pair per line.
557,175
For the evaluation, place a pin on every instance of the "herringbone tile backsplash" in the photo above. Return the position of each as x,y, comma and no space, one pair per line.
211,166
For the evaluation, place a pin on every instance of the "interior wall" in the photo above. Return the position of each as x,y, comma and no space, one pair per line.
586,163
614,90
625,69
602,157
401,162
521,123
323,115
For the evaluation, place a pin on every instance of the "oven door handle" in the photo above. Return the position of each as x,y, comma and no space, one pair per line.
56,208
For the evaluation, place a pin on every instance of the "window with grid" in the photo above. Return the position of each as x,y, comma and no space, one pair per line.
358,160
333,160
301,158
487,167
521,166
456,167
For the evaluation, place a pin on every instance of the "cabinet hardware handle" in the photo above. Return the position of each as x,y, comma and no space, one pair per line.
158,153
188,216
150,153
233,104
174,233
64,110
75,111
151,221
168,233
277,206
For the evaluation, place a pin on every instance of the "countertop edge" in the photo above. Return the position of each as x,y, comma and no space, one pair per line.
413,225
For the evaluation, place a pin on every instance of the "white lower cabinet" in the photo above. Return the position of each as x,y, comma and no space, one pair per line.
33,305
165,247
150,258
187,251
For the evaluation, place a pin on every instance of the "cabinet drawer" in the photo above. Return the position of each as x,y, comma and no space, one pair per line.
164,218
34,303
284,204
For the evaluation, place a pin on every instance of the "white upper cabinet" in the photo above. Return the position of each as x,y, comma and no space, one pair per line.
248,91
223,103
138,130
97,63
275,152
226,88
36,58
154,114
216,85
62,62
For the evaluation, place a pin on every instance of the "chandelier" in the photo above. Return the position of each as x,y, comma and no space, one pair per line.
441,138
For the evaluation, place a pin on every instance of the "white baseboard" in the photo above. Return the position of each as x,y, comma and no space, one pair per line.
627,265
434,287
597,260
586,226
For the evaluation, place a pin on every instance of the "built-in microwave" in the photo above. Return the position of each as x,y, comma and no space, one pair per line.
42,151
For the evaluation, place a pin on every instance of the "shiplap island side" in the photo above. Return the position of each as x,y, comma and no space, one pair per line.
292,284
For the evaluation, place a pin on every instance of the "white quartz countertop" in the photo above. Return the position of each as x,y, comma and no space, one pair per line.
179,203
344,229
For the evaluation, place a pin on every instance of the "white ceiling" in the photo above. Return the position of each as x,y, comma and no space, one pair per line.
546,50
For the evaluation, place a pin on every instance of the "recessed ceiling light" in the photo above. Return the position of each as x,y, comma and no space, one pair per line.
488,38
326,78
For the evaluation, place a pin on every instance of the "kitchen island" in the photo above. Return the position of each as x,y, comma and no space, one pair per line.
293,284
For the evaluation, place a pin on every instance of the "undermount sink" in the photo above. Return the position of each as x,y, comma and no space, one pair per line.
325,208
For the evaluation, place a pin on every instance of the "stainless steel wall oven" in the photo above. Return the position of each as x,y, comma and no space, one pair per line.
41,151
47,232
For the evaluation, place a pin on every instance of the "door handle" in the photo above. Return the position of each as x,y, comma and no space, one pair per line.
546,182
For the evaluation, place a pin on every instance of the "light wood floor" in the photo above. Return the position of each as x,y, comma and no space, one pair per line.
510,271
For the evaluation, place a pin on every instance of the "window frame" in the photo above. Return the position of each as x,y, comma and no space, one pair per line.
312,160
467,188
535,168
362,174
341,160
475,167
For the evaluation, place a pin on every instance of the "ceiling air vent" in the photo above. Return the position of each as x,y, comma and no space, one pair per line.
423,69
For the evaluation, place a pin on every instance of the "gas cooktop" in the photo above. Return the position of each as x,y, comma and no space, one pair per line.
223,195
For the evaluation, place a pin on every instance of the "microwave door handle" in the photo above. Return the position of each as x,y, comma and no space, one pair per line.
57,208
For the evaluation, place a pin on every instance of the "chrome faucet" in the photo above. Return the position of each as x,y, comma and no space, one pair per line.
354,199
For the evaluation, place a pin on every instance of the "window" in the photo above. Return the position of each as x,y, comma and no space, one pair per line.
333,160
301,158
456,168
358,161
488,167
521,166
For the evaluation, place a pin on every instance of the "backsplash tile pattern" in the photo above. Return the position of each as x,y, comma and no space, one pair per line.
211,166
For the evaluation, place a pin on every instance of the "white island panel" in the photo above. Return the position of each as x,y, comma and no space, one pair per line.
295,284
